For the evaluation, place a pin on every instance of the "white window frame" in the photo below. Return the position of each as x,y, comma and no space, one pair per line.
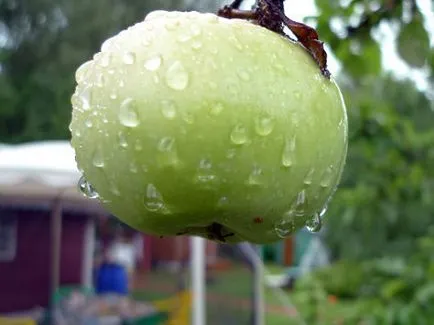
8,229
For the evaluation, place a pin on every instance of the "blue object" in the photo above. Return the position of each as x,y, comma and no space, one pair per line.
111,279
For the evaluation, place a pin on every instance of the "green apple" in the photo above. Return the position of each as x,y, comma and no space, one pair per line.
191,123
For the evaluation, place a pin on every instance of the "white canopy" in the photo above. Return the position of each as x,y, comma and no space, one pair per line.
38,172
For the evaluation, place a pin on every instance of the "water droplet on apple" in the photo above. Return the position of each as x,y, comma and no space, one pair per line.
122,140
87,189
172,24
168,155
297,94
176,76
288,152
138,146
244,75
113,96
153,63
105,59
314,224
204,172
85,98
100,80
168,109
82,70
98,159
264,125
153,199
309,177
88,124
256,176
114,189
195,29
129,58
285,228
196,45
239,134
230,154
128,115
133,167
223,201
327,177
298,207
216,109
236,42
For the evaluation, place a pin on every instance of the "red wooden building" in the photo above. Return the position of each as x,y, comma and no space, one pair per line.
47,228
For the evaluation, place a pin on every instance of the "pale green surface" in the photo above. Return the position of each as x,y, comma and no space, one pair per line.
211,76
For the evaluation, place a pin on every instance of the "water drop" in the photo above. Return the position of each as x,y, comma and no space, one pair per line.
153,199
138,146
188,117
195,29
176,76
85,97
264,125
122,140
196,45
87,189
88,124
172,24
314,224
299,206
288,152
100,80
114,189
223,201
309,177
285,228
98,159
133,167
297,94
239,135
113,96
105,59
81,72
216,109
168,155
244,75
236,42
154,63
204,172
184,37
168,109
327,177
256,176
128,115
129,58
230,154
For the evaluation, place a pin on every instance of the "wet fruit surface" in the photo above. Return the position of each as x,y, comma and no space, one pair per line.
187,120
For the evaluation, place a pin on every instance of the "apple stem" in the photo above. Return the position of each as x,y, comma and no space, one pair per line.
270,14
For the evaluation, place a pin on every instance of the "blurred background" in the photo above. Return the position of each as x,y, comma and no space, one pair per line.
373,263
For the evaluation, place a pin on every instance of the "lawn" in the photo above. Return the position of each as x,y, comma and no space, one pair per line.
228,296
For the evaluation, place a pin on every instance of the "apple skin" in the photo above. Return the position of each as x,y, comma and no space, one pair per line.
188,119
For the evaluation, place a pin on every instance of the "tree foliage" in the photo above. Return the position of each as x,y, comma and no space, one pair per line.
42,42
386,198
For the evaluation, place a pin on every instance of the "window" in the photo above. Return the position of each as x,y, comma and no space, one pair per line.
8,236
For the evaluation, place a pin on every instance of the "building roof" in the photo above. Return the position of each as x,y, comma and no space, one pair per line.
38,172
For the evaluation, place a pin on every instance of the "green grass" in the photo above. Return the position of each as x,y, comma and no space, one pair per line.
233,283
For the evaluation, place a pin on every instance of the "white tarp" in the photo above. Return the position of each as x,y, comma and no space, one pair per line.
50,163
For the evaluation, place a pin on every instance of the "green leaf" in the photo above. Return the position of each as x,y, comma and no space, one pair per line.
413,43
